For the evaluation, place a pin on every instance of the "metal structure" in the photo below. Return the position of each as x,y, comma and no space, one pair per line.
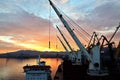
64,38
75,57
110,45
63,44
93,58
94,38
117,52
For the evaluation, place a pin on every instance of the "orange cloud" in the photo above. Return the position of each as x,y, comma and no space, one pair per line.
64,1
22,30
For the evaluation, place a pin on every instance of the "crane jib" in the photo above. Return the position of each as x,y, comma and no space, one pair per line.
79,44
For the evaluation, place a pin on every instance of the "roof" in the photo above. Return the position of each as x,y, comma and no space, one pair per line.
37,67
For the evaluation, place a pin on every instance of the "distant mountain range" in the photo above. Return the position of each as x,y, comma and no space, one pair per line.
32,54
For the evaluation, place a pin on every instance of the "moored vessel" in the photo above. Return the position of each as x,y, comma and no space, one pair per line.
40,71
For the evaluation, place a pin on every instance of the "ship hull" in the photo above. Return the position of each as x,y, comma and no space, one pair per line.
69,71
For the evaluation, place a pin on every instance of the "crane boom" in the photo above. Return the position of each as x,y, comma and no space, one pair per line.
64,38
114,33
93,37
79,44
62,44
72,56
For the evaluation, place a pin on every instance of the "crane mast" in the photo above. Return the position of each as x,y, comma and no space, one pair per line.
62,44
93,37
114,33
73,56
64,38
79,44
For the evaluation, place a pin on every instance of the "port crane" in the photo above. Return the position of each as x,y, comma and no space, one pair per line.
109,43
93,38
73,55
117,28
94,59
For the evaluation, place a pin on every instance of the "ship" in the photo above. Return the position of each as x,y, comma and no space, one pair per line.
40,71
99,61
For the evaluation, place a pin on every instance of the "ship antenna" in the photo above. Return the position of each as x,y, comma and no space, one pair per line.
39,60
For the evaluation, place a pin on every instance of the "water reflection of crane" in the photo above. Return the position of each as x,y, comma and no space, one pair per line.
7,60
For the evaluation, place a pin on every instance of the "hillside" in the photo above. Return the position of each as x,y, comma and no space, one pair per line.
32,54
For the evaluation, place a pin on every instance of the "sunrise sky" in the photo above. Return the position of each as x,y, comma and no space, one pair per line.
24,24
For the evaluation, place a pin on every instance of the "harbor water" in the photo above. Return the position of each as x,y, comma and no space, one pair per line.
12,69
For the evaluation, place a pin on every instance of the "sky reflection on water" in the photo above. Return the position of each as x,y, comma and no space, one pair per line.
12,69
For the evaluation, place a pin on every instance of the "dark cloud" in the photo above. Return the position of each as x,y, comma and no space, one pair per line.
23,23
106,15
103,17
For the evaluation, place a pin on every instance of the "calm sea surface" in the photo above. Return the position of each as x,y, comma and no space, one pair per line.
12,69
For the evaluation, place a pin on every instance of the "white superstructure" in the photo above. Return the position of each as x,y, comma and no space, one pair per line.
38,72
